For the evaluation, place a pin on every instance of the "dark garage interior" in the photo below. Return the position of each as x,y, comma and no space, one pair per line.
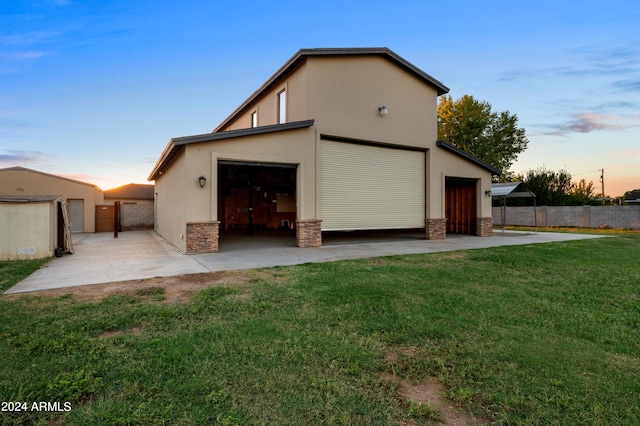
254,197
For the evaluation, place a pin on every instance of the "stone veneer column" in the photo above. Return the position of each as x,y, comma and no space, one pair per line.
484,226
308,233
435,229
202,237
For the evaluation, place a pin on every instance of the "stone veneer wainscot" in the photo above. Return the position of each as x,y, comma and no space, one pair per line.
309,233
202,237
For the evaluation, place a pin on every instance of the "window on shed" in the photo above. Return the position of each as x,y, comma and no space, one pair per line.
254,119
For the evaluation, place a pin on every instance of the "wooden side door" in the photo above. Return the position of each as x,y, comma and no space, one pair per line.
460,206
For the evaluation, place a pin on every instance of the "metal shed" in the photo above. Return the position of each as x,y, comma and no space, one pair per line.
502,191
33,226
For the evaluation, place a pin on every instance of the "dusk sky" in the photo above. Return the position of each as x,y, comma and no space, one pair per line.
93,90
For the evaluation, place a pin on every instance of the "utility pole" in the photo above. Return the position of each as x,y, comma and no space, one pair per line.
602,181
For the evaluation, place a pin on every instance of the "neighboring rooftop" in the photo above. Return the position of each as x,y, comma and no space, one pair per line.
24,169
132,191
633,197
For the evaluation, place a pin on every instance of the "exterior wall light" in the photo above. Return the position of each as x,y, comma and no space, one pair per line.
383,110
202,181
487,193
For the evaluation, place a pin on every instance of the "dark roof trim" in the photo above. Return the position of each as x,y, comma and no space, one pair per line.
257,164
371,143
301,56
208,137
464,154
175,144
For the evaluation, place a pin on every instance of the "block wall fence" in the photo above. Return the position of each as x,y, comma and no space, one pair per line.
627,217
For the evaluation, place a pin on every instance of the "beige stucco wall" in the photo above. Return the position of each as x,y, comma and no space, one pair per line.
346,92
31,182
343,94
172,188
266,106
27,226
181,200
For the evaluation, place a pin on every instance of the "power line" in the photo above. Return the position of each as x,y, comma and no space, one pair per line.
587,173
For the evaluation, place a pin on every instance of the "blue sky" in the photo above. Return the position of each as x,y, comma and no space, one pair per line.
93,90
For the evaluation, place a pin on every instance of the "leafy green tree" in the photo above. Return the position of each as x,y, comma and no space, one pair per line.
471,125
551,188
583,193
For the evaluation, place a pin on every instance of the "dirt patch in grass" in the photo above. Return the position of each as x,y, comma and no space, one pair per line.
426,393
111,333
176,289
429,392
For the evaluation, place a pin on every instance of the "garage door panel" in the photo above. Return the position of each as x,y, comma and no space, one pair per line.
370,187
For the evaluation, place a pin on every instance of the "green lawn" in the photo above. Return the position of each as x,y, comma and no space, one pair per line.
540,334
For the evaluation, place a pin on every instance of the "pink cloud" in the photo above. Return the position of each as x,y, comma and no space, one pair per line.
587,122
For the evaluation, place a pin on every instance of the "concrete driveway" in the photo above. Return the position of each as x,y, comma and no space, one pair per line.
100,258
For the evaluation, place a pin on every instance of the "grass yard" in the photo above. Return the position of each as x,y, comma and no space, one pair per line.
533,335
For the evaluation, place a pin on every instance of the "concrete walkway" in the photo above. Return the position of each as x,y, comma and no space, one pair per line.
99,258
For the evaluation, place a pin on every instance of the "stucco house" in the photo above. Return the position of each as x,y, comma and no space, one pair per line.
81,197
336,139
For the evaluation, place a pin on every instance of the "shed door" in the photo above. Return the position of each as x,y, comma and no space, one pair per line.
76,215
370,187
460,205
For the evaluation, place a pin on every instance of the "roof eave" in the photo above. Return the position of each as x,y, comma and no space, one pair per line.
175,145
165,158
469,157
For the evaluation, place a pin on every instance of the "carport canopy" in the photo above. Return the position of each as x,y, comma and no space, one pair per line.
502,191
510,190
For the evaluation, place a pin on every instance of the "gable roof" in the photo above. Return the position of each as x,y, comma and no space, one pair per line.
176,145
24,169
301,56
132,191
469,157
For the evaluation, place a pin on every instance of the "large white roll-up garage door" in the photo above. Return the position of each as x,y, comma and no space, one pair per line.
370,187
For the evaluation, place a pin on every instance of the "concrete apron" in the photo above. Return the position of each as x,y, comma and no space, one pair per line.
100,258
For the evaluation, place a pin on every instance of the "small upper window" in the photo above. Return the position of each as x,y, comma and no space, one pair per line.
282,107
254,119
